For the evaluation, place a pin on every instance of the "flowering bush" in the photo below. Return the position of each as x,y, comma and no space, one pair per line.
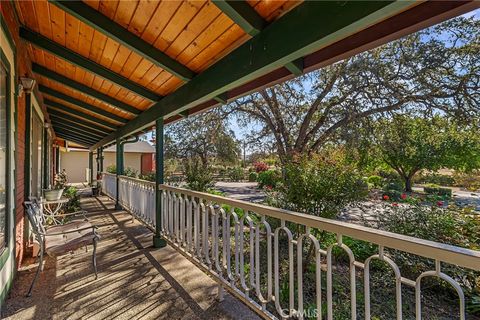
320,186
260,167
60,181
268,178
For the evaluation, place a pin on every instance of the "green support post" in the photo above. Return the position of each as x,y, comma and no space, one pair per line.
28,142
90,167
57,159
158,241
101,160
46,171
97,161
119,169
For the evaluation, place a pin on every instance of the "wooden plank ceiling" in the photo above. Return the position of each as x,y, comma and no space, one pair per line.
102,64
194,33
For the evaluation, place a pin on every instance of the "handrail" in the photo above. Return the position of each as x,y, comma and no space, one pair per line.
138,180
430,249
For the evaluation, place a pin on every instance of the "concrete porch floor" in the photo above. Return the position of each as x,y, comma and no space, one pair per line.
136,281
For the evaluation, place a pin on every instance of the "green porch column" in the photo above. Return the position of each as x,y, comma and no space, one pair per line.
100,160
57,159
158,241
28,142
119,171
97,161
45,149
90,167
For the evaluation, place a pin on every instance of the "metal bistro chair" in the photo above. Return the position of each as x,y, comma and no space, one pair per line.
59,239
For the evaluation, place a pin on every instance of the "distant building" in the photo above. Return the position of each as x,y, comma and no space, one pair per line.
138,156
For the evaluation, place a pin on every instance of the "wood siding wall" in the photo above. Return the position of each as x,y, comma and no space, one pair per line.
22,68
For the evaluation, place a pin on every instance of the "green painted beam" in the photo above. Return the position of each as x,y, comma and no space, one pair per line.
222,98
51,46
77,130
73,138
111,29
80,103
243,15
295,67
52,75
69,119
72,135
68,110
88,127
252,23
321,23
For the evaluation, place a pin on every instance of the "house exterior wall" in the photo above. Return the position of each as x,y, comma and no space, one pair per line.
148,163
75,163
7,255
132,160
20,65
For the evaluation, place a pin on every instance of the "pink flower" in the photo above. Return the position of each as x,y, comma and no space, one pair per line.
394,204
269,187
403,196
385,197
440,203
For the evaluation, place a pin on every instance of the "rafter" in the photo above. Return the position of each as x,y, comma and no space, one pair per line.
243,15
76,130
55,106
51,46
71,136
58,116
80,103
85,144
252,23
113,30
52,75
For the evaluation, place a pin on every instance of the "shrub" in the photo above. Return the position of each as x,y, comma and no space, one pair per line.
197,176
448,226
269,178
130,172
235,174
319,186
439,179
149,176
73,204
469,181
376,181
260,167
434,189
252,176
390,176
112,169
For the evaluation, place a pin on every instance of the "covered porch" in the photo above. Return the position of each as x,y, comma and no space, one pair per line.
97,74
135,280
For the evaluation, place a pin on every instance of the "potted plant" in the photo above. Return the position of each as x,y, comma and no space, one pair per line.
56,192
96,187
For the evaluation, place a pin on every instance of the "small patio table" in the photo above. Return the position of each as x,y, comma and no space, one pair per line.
51,208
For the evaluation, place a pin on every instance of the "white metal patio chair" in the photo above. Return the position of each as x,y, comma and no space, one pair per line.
59,239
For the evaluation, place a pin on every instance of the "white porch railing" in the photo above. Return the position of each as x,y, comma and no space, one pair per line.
138,197
240,246
109,184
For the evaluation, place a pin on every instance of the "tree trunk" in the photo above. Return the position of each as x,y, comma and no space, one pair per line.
408,184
